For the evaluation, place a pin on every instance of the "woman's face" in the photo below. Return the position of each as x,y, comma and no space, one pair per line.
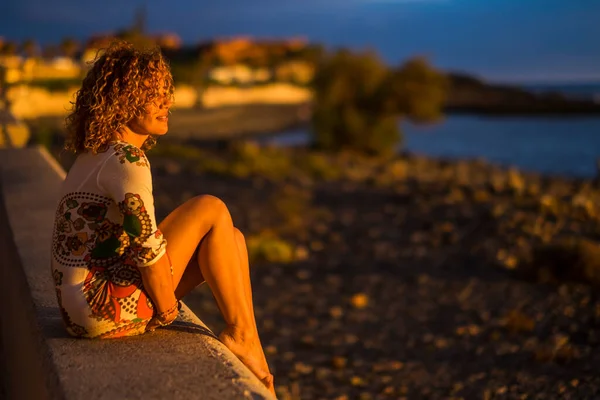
155,121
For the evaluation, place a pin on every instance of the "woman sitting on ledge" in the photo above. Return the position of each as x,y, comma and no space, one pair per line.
116,272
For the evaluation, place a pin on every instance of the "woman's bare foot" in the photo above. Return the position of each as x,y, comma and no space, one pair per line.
247,348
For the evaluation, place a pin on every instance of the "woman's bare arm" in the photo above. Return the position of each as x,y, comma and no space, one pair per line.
158,283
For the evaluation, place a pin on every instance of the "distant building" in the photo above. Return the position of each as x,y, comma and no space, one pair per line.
18,69
244,49
239,73
170,41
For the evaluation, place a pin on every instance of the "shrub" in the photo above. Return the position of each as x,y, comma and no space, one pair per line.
418,90
250,158
357,101
267,247
293,205
349,111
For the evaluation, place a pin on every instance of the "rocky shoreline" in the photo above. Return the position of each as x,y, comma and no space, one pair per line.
408,278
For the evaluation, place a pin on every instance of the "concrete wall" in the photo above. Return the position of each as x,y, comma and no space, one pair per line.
182,361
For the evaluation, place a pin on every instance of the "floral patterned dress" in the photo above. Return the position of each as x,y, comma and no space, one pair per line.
104,231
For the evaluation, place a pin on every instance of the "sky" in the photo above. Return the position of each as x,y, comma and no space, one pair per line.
497,40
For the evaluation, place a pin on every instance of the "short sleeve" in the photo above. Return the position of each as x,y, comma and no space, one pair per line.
127,179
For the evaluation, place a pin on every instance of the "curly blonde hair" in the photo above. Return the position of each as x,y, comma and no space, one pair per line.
122,82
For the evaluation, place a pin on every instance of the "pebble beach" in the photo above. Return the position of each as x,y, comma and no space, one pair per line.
410,277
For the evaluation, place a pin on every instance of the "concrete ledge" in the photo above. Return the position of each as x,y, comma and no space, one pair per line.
182,361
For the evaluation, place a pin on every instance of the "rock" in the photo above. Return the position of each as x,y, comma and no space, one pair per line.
316,245
303,368
516,321
301,253
398,169
336,312
568,258
585,203
388,390
172,167
516,181
303,274
359,300
470,330
357,381
339,362
322,373
481,196
351,339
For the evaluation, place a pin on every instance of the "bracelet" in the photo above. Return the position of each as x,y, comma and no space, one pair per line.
163,316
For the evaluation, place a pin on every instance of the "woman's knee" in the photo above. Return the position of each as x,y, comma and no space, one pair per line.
239,237
213,206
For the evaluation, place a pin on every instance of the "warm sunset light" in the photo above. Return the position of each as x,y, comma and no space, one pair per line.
277,199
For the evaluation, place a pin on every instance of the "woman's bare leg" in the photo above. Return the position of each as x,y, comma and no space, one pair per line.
206,220
245,272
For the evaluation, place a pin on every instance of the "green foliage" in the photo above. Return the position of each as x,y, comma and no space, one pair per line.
245,159
177,151
201,160
358,101
250,159
30,48
318,166
268,247
292,205
313,54
350,109
8,48
69,47
419,90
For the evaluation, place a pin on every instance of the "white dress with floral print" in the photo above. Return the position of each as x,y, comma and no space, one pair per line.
104,231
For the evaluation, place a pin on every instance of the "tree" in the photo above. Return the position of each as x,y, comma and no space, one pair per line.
312,54
199,76
420,91
8,48
30,48
358,100
69,47
350,101
50,51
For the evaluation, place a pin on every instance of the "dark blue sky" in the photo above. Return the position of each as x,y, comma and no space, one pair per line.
504,40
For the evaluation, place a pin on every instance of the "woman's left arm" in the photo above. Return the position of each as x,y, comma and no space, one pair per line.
129,184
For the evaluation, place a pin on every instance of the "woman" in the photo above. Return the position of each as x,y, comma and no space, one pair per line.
116,272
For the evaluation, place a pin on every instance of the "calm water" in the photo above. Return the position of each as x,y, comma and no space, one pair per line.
554,145
560,145
574,90
566,146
